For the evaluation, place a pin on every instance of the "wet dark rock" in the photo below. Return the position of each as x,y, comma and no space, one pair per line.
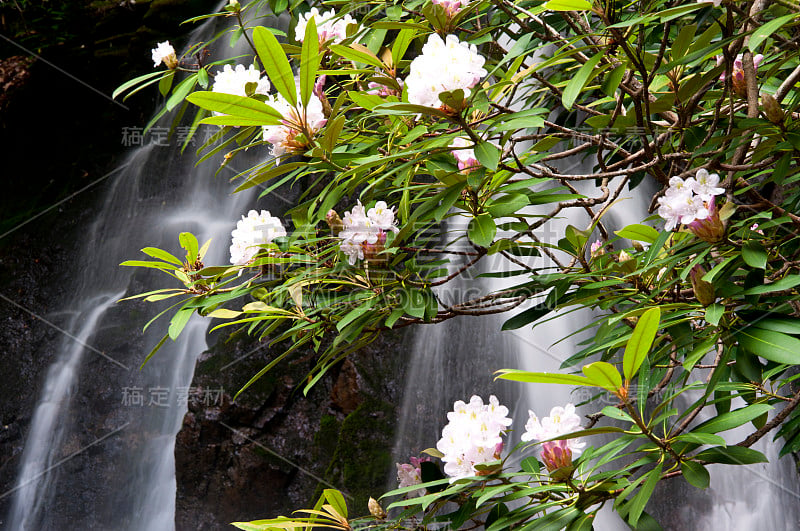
273,450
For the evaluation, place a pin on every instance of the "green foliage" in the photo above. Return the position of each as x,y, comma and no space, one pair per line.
635,90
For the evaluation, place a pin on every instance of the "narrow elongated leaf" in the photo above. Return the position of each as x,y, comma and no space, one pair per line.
787,282
576,84
770,345
696,474
179,321
603,375
640,500
568,5
731,455
275,63
259,112
764,31
732,419
542,377
638,232
133,82
527,317
358,53
640,342
162,255
309,61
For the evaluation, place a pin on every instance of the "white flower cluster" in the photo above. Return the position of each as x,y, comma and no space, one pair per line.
365,231
329,28
165,53
562,420
444,65
252,231
472,436
291,134
689,200
409,474
231,80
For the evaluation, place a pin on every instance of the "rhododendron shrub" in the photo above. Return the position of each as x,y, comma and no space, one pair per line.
449,134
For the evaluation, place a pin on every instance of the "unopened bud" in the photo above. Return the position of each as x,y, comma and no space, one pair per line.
334,222
704,291
233,5
375,509
772,108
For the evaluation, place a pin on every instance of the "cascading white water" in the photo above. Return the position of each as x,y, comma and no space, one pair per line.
100,450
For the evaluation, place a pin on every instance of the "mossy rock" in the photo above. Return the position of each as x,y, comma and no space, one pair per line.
363,453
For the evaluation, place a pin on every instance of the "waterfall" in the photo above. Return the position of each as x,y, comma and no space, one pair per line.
453,360
99,452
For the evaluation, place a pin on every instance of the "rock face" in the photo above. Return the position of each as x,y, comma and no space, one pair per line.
273,449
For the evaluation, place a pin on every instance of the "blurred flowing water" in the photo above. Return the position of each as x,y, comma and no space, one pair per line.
455,359
99,452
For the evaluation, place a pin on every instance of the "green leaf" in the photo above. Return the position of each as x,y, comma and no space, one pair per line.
770,345
568,5
732,419
482,229
754,255
162,255
334,497
731,455
165,83
488,155
696,474
507,205
640,500
179,321
764,31
259,112
528,316
358,53
787,282
309,61
542,377
638,232
133,82
702,438
224,313
181,91
189,242
603,374
714,313
612,80
640,342
408,108
275,63
576,84
779,323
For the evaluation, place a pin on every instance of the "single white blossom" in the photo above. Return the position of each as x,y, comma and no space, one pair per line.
232,80
329,28
252,231
165,53
444,65
706,185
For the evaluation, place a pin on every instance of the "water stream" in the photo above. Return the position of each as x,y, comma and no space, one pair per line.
99,452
